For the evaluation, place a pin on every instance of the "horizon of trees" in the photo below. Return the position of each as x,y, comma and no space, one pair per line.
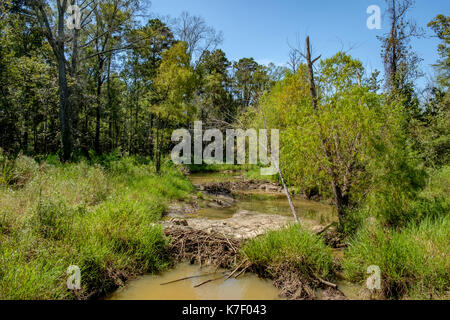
121,84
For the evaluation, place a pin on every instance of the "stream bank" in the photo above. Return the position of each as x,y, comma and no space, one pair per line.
211,228
228,210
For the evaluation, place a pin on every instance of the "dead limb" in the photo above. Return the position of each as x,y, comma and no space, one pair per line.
207,281
187,278
330,284
234,271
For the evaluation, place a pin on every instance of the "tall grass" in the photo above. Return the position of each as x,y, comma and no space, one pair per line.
102,218
414,262
294,246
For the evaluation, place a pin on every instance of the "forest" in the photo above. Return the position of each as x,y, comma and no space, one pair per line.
88,107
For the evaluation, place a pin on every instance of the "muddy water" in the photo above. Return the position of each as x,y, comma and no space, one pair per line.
262,202
148,287
266,203
247,286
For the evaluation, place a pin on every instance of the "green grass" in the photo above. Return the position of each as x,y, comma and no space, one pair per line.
294,246
414,262
102,218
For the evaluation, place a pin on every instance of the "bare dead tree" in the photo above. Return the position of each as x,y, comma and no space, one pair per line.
294,59
294,55
311,73
197,34
399,60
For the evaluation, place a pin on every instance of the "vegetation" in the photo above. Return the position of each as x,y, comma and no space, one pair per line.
414,261
102,218
86,116
292,246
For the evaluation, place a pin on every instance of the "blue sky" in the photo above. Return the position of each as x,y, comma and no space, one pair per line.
261,29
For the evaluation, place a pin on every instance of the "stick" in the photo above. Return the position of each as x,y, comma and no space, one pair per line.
232,247
231,274
326,228
242,271
187,278
327,283
285,187
207,281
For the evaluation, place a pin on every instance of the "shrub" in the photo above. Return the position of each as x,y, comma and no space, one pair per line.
293,245
414,261
17,172
52,219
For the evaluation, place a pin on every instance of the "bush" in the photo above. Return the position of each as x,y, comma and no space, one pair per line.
17,172
414,262
52,219
293,245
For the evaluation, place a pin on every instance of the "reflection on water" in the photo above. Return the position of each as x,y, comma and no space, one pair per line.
272,203
148,287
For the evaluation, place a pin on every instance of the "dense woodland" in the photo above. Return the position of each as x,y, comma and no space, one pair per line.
118,83
374,143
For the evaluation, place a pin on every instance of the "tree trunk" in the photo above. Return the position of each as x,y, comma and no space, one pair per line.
64,106
158,148
57,44
98,109
312,85
341,200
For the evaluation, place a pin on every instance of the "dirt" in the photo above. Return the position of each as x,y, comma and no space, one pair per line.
242,225
226,187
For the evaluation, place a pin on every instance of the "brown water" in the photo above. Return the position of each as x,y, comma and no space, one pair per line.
262,201
271,204
148,287
247,286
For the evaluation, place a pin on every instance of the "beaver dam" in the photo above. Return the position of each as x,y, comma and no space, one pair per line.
207,233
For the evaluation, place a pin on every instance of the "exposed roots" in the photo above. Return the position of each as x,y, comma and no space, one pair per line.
293,285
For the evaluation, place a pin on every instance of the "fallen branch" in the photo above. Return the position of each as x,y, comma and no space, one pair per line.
327,283
207,281
234,271
326,228
187,278
243,270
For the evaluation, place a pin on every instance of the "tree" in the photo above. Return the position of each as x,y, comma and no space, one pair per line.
175,83
251,80
112,17
431,136
198,36
441,26
57,40
27,86
215,100
327,148
400,61
142,63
